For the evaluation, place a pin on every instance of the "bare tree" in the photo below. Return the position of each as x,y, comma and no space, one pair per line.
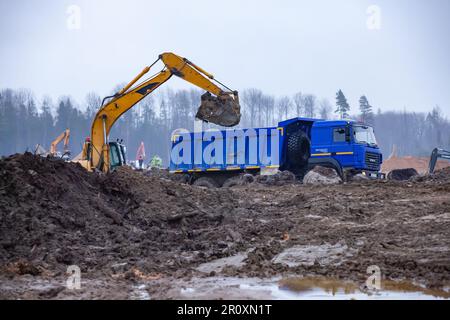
325,109
283,106
268,106
309,105
93,103
252,103
299,103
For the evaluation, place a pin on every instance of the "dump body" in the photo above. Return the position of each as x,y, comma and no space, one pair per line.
343,145
225,150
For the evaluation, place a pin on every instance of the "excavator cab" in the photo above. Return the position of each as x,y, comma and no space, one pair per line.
117,154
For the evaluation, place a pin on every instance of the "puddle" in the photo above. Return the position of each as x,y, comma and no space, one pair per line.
227,288
298,289
140,293
328,288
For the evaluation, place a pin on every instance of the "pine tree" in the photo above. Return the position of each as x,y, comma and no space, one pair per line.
342,105
366,110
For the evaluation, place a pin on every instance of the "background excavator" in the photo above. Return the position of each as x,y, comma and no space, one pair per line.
53,146
219,105
39,150
435,155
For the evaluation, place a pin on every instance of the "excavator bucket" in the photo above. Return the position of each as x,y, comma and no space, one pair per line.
223,110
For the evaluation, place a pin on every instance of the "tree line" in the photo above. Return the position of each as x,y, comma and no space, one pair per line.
26,121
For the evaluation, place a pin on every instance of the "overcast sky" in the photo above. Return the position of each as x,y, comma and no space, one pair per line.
281,47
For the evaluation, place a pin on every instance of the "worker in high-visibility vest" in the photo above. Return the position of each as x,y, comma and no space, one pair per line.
140,155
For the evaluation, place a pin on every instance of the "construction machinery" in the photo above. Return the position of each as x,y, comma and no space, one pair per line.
53,146
39,150
219,105
215,158
435,155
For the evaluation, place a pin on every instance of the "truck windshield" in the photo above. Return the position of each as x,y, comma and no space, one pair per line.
363,134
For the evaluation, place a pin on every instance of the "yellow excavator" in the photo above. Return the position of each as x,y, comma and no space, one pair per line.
53,146
219,105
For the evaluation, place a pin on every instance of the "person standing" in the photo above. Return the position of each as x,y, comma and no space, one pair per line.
140,155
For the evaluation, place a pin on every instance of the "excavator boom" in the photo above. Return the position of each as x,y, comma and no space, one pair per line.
222,108
435,156
63,136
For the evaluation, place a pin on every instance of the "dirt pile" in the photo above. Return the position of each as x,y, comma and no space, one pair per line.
223,110
402,174
439,179
278,179
54,214
321,175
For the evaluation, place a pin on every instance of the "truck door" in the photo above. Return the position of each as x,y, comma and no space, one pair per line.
342,148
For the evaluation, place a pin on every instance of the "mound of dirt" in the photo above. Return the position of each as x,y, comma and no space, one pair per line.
278,179
239,180
322,175
402,174
55,214
438,178
442,175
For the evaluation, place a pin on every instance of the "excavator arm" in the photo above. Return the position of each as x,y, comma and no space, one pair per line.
63,136
435,155
223,109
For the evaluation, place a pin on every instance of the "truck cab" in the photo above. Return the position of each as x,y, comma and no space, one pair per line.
347,146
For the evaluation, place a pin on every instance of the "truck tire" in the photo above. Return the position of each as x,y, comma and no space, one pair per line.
206,182
232,182
238,180
298,149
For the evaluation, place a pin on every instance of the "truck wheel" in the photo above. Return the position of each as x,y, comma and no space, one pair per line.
232,182
238,180
298,149
206,182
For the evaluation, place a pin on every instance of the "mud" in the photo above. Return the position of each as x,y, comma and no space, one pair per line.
134,234
402,174
321,175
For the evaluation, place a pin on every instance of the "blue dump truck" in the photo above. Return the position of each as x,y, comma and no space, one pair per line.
209,158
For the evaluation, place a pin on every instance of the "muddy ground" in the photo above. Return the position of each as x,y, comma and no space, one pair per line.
137,235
